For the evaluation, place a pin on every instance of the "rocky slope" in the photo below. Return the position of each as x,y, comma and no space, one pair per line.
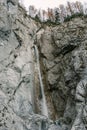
63,60
43,82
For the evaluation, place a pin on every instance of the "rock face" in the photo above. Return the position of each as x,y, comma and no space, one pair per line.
63,58
62,66
16,70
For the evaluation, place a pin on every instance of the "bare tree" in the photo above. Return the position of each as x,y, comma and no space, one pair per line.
63,13
69,5
79,6
45,15
50,14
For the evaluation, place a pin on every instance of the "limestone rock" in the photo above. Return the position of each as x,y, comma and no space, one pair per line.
63,65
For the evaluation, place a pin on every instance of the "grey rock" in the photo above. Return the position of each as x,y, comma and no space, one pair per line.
63,65
54,127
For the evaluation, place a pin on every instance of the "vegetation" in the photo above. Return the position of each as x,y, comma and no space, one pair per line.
58,15
37,18
68,18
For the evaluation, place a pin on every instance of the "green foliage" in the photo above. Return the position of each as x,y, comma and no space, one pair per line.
68,18
85,16
57,18
50,23
37,18
57,21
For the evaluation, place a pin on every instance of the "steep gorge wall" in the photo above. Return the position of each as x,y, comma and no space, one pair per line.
16,69
62,57
63,51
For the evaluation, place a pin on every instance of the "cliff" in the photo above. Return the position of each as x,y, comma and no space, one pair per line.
43,72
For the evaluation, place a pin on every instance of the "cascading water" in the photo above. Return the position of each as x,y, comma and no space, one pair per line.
43,103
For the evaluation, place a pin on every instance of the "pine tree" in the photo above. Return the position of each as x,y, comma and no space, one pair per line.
57,15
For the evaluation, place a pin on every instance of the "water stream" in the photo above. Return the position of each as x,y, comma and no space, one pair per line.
43,100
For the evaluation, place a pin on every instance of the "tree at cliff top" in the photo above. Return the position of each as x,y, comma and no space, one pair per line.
60,13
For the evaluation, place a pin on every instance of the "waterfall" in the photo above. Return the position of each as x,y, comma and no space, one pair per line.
43,103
